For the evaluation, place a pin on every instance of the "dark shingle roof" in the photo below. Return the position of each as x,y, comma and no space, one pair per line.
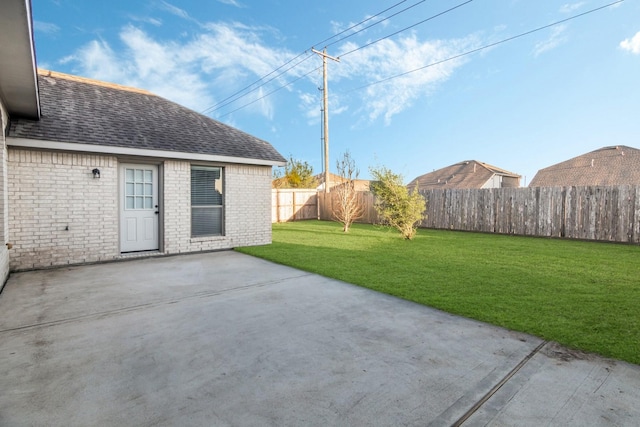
79,110
616,165
466,174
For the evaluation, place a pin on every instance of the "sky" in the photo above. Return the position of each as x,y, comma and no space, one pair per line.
420,84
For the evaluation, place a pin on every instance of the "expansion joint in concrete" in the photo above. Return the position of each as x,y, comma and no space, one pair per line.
497,387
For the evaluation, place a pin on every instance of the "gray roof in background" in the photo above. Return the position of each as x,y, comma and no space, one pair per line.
615,165
80,110
466,174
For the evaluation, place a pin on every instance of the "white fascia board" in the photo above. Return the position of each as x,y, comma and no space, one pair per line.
127,151
32,48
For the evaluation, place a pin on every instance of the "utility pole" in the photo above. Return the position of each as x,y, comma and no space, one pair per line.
325,104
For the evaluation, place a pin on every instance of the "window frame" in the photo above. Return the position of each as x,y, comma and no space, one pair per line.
219,186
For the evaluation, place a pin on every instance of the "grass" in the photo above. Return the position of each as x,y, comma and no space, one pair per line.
585,295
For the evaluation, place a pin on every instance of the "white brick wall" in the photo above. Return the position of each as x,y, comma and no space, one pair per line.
4,205
50,191
177,211
248,203
59,214
247,194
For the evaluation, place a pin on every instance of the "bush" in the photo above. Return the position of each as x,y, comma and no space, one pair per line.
395,204
297,174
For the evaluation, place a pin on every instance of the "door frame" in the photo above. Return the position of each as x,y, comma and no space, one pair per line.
122,164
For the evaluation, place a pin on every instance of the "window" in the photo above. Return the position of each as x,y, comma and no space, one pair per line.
207,201
138,189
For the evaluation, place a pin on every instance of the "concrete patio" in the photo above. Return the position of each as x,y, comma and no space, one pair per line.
225,339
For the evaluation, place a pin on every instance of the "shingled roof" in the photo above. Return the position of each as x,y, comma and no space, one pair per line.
336,180
94,113
466,174
615,165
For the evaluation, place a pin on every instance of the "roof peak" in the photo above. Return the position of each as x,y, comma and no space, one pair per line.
56,74
489,167
615,147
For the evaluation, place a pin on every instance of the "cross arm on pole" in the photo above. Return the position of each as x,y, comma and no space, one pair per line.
325,55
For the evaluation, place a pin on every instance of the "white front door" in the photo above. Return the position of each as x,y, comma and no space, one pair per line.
138,208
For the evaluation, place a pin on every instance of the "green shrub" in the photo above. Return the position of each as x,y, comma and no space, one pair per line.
395,204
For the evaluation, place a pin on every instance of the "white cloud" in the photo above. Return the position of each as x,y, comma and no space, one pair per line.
196,73
632,45
204,70
144,63
243,49
264,106
99,61
555,39
146,19
45,27
571,7
231,3
310,104
181,13
391,58
243,60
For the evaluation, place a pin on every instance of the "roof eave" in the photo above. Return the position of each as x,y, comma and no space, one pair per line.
127,151
18,78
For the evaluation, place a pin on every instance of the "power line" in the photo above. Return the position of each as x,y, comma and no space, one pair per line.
362,22
483,47
407,28
350,35
375,23
257,81
235,96
272,92
368,44
220,105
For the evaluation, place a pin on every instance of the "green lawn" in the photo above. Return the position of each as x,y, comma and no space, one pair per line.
585,295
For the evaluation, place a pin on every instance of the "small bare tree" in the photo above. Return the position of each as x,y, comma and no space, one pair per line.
347,208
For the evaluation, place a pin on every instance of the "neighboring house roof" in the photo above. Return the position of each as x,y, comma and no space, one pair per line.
466,174
336,180
18,82
615,165
105,117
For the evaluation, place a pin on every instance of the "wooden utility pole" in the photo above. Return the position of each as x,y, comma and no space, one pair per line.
325,106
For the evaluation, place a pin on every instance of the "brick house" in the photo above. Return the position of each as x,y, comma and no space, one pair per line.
615,165
93,171
466,174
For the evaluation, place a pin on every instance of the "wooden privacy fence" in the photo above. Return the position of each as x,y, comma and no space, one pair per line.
590,213
296,204
328,204
293,204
